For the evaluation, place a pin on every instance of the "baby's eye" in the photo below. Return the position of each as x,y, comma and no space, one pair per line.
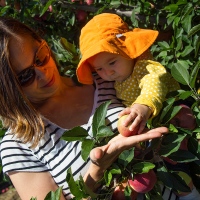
99,69
112,63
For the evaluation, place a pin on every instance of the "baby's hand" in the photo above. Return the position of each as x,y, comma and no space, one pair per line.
138,115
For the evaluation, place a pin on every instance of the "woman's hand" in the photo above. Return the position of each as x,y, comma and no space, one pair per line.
103,157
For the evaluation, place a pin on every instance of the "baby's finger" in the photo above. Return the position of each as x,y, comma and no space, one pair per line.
135,123
141,126
126,111
129,119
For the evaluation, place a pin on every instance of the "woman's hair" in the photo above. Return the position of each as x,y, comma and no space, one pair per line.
16,112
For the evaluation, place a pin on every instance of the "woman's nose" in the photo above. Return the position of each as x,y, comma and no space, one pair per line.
40,72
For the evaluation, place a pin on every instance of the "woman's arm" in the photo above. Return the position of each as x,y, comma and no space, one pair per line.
33,184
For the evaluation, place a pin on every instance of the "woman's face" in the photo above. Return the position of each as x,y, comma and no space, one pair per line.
36,71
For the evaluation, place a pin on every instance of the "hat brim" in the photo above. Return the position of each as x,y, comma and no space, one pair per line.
129,45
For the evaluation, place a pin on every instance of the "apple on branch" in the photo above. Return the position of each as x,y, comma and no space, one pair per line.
118,193
184,118
143,183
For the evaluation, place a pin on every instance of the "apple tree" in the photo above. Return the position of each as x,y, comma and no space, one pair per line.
177,48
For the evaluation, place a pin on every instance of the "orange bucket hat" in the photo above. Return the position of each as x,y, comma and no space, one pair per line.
109,33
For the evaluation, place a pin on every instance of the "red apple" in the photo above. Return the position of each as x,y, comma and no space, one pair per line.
50,8
81,15
3,3
184,118
124,130
17,5
118,193
89,2
143,183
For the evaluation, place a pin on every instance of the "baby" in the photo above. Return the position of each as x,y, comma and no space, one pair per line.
122,55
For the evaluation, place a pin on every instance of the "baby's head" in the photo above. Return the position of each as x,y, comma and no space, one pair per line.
108,34
111,67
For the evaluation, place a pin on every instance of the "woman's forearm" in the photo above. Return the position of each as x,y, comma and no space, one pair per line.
92,177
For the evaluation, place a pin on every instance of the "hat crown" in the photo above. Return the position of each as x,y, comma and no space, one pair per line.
101,27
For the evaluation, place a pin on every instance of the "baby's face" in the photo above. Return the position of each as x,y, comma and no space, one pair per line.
112,67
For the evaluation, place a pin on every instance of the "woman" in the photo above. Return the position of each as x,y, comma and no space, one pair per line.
37,105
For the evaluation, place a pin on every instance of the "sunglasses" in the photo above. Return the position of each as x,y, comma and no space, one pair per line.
27,76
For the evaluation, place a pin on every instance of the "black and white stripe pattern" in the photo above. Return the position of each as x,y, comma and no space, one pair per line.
53,154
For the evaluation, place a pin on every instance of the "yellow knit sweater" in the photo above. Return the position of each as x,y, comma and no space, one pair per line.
148,85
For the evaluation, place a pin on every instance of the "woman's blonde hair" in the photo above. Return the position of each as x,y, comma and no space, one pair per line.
16,112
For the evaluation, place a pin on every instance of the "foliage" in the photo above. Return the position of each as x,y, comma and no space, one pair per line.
177,48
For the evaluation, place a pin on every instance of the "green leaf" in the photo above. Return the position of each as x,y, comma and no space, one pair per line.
194,146
104,131
114,169
74,188
126,157
186,11
172,8
107,177
54,195
46,7
99,117
164,176
155,193
142,167
179,34
172,128
184,95
179,45
194,74
170,143
127,193
166,107
194,30
181,2
182,156
197,46
162,54
68,46
87,146
2,132
180,74
187,50
74,134
164,44
133,18
171,113
187,22
179,183
86,190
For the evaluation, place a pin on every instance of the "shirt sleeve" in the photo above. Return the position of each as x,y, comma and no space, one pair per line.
16,156
154,81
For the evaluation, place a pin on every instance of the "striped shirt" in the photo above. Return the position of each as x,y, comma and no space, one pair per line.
54,154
